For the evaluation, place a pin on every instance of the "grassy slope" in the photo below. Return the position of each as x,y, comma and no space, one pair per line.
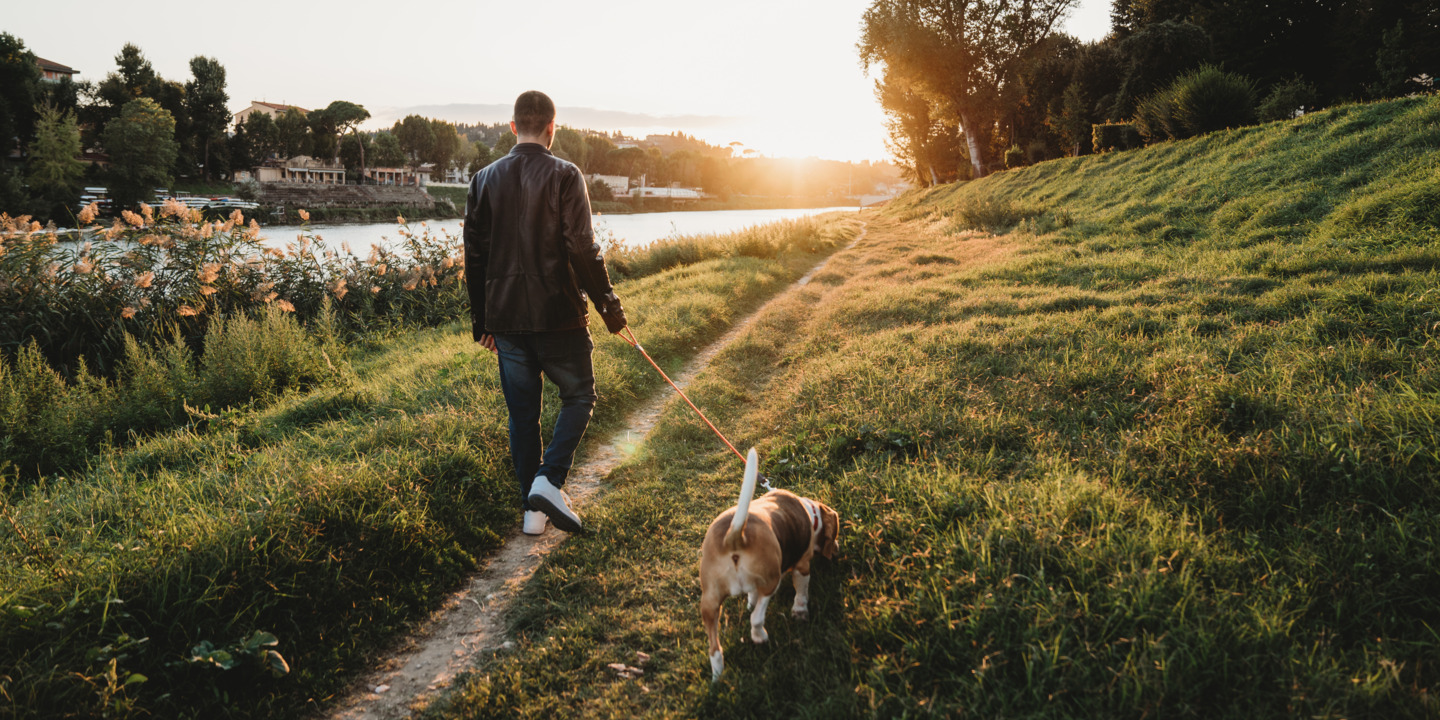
330,519
1166,447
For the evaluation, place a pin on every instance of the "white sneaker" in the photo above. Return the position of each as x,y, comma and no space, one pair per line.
534,523
548,499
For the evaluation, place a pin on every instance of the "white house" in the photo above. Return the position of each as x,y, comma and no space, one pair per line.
274,110
618,184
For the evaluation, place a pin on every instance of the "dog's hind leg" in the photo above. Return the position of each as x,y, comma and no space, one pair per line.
710,601
757,619
801,609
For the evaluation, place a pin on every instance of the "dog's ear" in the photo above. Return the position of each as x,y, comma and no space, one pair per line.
829,532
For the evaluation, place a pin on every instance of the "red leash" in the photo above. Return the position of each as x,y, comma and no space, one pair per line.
635,343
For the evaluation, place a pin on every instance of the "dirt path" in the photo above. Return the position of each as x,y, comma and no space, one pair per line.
471,621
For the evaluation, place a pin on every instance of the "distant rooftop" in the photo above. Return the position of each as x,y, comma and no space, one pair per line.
52,66
279,107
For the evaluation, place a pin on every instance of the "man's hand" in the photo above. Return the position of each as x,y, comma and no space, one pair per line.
487,341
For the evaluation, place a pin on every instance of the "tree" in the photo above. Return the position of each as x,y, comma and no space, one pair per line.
416,136
923,146
466,154
262,137
292,132
134,77
19,91
353,149
571,146
55,164
1154,55
482,157
206,101
444,145
959,55
386,150
324,135
599,154
503,145
142,150
345,116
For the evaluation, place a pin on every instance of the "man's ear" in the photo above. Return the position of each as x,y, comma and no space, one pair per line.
513,131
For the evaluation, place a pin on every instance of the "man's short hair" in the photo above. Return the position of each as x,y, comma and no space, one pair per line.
533,111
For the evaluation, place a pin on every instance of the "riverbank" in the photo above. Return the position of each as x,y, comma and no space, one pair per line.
456,195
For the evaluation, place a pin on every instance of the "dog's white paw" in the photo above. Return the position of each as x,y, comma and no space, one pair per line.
717,665
758,634
800,613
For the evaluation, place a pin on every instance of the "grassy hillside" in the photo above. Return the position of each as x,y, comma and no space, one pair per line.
1150,434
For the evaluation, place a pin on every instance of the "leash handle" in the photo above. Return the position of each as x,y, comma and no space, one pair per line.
628,336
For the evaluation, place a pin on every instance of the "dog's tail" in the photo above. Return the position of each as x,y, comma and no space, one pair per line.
747,492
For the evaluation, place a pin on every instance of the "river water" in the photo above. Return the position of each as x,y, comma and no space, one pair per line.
636,230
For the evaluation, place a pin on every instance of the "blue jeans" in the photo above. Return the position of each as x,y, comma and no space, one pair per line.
564,357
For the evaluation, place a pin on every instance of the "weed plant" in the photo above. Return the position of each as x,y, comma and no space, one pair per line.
251,562
1175,457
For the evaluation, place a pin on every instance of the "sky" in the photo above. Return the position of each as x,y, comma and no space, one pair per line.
781,77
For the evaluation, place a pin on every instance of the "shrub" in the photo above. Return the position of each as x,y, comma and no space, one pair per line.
1210,99
1115,136
1155,117
1201,101
991,215
1014,157
1288,99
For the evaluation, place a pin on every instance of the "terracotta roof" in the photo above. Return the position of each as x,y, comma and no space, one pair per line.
278,106
52,66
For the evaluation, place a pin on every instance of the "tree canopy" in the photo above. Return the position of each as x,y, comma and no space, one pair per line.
142,150
19,91
959,55
207,104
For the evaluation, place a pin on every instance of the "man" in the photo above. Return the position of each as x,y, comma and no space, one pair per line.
530,260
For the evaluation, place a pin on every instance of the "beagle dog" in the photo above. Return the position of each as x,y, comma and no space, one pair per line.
750,546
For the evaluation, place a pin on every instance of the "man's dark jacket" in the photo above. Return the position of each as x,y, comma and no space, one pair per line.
530,253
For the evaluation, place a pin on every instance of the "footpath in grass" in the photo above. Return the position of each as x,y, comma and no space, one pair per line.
249,564
1150,434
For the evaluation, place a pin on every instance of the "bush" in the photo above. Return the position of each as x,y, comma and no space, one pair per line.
600,192
1199,102
1014,157
1115,136
1155,117
1288,99
1211,99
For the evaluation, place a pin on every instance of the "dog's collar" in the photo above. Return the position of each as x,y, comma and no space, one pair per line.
814,513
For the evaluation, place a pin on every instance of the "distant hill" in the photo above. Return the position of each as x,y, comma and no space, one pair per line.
582,117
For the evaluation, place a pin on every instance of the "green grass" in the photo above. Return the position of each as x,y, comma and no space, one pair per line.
331,518
1165,447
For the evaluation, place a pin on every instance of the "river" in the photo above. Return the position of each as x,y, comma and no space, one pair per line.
635,230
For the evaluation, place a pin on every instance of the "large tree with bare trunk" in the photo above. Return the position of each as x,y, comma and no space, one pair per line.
960,55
